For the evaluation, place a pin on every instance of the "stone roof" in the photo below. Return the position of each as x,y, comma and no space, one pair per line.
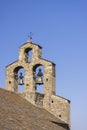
18,114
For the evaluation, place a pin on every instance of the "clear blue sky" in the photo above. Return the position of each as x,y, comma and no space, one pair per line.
60,27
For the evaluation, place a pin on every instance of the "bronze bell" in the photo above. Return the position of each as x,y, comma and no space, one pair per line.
21,82
39,79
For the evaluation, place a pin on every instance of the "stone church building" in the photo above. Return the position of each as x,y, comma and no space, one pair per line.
31,71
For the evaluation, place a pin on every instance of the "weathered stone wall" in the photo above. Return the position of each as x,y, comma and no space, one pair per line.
39,99
60,107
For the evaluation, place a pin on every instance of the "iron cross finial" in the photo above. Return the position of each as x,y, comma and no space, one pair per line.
30,36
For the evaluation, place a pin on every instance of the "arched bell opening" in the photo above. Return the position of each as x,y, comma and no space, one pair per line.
38,74
28,55
19,78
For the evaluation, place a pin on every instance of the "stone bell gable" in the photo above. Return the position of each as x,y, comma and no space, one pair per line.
30,59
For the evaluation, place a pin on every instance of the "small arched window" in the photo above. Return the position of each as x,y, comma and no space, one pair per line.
19,78
39,78
28,55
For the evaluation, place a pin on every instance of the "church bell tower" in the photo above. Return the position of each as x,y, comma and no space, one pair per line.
32,71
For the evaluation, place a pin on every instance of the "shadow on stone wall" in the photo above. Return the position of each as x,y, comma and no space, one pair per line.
64,125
